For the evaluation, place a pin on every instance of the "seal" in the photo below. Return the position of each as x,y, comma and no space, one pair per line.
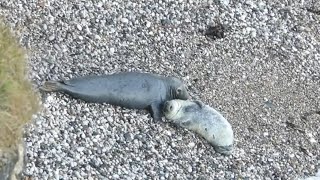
132,90
202,119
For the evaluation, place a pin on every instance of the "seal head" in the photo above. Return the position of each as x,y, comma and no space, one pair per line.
202,119
176,89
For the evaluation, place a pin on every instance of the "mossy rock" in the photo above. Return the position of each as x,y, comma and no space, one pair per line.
18,102
12,162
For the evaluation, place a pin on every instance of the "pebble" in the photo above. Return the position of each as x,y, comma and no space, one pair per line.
110,119
80,149
115,176
128,136
52,37
225,2
191,144
79,27
125,20
77,174
111,51
148,24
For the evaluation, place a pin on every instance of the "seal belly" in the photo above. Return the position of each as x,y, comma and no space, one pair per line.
129,90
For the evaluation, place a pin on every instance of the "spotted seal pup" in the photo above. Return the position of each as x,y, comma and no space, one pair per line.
132,90
203,119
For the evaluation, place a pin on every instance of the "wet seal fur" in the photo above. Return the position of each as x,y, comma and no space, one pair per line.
132,90
202,119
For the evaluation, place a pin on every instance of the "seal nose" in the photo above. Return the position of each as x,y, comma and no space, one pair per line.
167,107
187,96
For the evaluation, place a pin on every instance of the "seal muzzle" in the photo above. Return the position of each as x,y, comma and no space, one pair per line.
168,107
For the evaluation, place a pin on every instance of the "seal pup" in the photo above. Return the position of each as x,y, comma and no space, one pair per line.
132,90
202,119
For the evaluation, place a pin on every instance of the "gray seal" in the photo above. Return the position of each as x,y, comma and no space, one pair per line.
132,90
202,119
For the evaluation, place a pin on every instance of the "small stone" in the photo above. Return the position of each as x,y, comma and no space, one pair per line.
110,119
191,145
80,149
111,51
312,140
148,24
291,155
56,174
97,37
73,164
115,176
173,144
79,27
83,135
128,136
49,99
56,46
168,133
77,174
125,20
224,2
52,37
165,22
85,123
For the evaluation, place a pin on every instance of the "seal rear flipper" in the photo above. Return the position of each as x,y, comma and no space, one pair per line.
51,86
224,150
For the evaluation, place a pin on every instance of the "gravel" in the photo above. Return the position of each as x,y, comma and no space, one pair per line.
262,74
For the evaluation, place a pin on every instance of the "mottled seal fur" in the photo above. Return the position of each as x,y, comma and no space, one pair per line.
133,90
201,118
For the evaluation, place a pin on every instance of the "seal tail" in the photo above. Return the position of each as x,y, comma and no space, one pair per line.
51,86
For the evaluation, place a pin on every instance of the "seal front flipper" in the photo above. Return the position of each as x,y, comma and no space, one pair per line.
185,124
199,103
156,111
51,86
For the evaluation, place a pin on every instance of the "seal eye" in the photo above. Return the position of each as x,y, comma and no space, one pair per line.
170,107
179,91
